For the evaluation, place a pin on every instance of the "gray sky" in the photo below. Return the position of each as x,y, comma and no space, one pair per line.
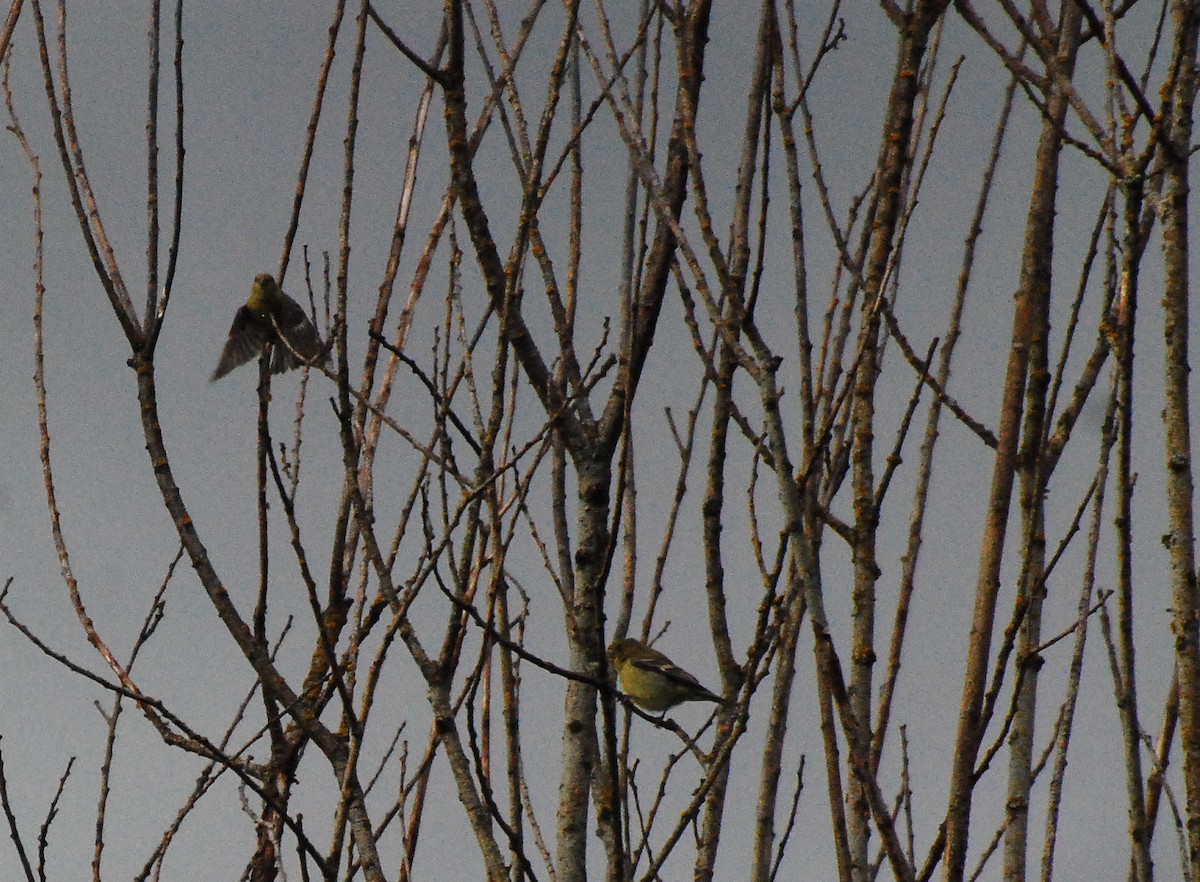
250,71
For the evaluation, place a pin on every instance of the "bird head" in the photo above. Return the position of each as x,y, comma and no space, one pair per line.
264,295
620,650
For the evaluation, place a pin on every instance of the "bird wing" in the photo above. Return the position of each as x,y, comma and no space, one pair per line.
246,340
301,342
694,690
668,669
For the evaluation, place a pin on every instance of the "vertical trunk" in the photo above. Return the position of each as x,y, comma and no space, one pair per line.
585,627
1028,326
1032,591
1180,487
894,163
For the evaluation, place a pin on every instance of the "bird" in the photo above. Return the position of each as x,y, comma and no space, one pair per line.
653,681
270,316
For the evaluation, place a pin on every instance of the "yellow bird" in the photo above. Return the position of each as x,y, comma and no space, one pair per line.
652,680
270,316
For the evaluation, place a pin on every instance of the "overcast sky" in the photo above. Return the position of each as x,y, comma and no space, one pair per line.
249,77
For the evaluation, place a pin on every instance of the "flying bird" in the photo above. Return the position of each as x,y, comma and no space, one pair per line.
271,317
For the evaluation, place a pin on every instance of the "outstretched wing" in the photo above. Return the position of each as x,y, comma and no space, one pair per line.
246,340
301,344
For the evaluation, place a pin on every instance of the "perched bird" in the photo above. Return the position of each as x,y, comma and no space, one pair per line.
652,680
270,316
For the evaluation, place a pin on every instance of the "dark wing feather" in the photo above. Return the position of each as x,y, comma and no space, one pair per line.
668,669
301,342
246,339
694,688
